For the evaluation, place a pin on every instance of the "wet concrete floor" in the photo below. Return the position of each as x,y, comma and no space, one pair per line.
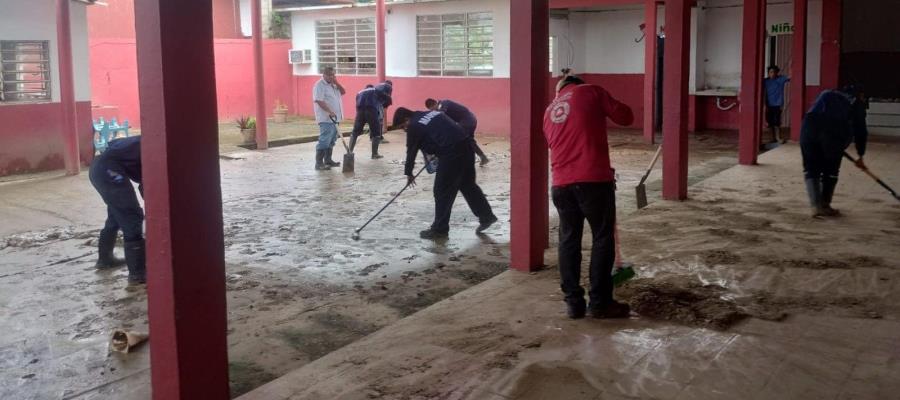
298,287
816,312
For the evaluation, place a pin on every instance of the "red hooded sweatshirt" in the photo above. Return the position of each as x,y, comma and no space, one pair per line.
575,128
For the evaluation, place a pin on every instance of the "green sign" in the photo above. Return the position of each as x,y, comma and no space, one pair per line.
785,28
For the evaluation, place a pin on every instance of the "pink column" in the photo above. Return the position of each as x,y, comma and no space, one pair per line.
380,63
676,68
67,88
650,15
751,82
529,199
180,153
831,43
798,68
262,133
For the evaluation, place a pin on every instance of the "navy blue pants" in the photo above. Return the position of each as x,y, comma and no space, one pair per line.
456,173
595,202
365,116
822,147
123,212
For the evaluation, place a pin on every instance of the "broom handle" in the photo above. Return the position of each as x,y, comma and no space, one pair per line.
388,203
334,120
873,176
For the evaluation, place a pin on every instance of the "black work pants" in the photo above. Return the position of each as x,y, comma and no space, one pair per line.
822,147
456,173
595,202
122,208
367,116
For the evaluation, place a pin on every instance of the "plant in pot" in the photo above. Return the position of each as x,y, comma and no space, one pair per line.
280,112
248,129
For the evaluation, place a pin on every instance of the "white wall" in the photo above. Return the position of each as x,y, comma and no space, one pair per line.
246,21
400,34
609,44
36,20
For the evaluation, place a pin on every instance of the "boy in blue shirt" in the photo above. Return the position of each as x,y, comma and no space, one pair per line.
774,86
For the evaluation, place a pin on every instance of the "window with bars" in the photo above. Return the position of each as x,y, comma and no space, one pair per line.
455,44
348,45
24,70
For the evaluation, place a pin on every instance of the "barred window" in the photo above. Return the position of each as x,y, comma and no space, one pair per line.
455,44
348,45
24,70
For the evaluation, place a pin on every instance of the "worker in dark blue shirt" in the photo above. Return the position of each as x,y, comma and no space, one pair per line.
774,88
112,174
370,103
837,118
434,133
463,116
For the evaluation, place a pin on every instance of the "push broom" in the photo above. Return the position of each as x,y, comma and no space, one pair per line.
875,177
356,232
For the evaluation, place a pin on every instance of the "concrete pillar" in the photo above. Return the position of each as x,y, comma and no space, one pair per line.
380,59
750,121
831,43
529,199
676,70
180,154
262,133
650,15
798,68
67,107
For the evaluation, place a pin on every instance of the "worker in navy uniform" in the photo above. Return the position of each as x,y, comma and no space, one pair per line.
370,103
463,116
433,132
387,88
837,118
112,174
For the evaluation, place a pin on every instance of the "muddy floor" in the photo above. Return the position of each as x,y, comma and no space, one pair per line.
297,286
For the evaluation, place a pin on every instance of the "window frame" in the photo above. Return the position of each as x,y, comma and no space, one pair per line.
468,52
349,45
42,65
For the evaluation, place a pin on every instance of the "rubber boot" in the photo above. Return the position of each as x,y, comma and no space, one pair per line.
320,161
375,143
814,190
328,161
828,185
106,244
135,258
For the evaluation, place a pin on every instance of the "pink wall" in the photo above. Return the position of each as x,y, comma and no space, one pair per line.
31,138
116,20
487,97
114,76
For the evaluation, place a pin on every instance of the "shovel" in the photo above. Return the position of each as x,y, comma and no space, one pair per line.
349,161
873,176
641,191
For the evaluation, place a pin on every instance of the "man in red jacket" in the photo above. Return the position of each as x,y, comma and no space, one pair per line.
584,188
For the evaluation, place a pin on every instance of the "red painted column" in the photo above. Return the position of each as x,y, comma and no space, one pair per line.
180,152
529,199
262,133
67,88
831,43
380,56
650,15
676,68
751,82
798,68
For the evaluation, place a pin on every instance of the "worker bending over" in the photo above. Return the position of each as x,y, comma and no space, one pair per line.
463,116
111,174
837,118
434,133
370,103
584,188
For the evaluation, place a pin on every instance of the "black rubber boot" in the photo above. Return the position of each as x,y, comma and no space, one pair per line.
611,310
320,161
106,244
814,191
433,234
135,258
828,185
576,309
328,160
375,143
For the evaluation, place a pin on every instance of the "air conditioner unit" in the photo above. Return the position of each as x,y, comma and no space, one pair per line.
300,56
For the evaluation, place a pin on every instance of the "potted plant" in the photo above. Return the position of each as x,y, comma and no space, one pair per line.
248,129
280,113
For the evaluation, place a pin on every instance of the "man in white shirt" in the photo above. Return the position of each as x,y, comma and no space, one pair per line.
327,105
